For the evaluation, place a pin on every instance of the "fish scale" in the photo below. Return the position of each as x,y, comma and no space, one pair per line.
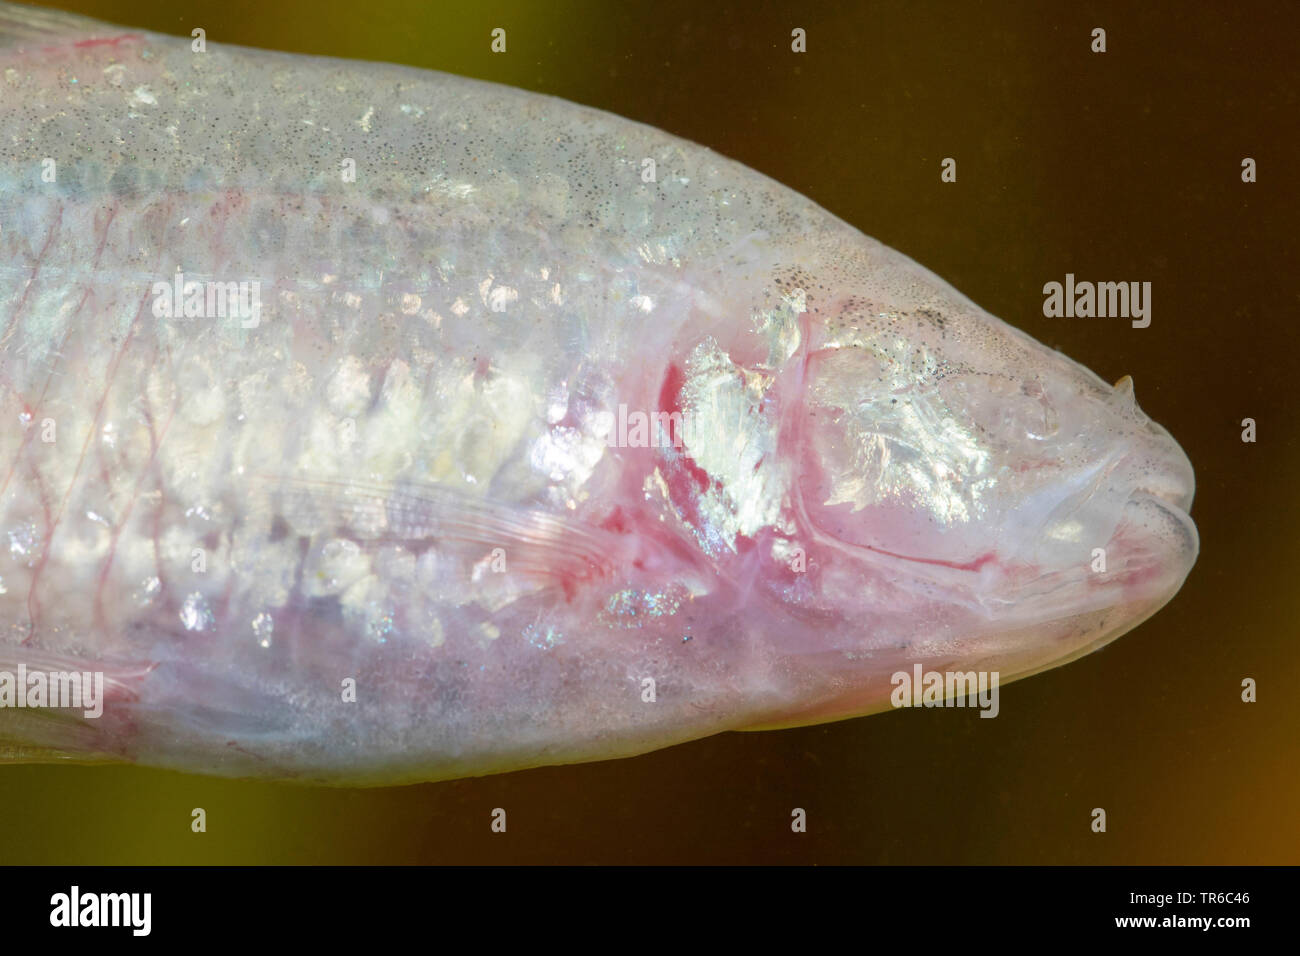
405,519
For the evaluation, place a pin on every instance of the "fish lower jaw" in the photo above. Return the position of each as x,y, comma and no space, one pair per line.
1136,571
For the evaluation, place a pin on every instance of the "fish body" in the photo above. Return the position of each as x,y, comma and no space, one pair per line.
368,425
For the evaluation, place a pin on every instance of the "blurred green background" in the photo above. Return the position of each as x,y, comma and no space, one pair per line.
1122,166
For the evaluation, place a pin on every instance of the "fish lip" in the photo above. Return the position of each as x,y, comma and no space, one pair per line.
1177,501
1179,485
1154,563
1174,497
1172,505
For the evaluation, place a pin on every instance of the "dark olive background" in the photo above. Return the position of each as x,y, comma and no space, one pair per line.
1122,166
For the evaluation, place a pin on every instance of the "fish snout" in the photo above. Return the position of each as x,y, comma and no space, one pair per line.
1156,533
1166,472
1113,527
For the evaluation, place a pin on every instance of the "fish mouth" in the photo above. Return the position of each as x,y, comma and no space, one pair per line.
1176,497
1064,614
1174,480
1156,525
1133,518
1176,508
1135,545
1139,570
1157,531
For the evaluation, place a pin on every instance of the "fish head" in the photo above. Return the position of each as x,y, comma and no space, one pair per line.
976,498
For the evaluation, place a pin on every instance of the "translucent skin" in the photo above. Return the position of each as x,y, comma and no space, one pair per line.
411,475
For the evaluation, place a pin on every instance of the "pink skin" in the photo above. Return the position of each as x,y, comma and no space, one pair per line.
979,612
768,645
884,475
